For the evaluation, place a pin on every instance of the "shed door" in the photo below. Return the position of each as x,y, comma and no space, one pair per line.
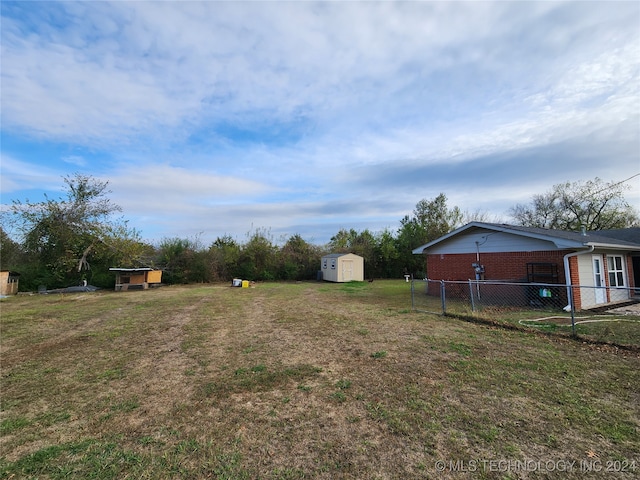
598,279
347,270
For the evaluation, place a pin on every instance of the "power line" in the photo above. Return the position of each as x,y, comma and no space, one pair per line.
626,180
616,184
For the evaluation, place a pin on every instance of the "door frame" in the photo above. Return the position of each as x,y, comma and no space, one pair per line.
599,280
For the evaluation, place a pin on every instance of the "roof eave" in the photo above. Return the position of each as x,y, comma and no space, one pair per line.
560,243
420,250
614,246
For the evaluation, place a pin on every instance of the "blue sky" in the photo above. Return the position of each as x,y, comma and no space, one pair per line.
214,118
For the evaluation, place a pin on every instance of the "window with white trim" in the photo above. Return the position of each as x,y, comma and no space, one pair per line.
615,268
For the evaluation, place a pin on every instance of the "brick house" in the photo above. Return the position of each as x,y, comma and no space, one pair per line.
606,263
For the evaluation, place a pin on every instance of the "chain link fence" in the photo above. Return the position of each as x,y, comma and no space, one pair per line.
540,306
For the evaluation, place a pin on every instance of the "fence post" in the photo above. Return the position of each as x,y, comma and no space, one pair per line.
442,297
413,292
573,310
473,303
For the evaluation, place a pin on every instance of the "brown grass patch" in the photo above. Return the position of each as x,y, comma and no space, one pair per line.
305,380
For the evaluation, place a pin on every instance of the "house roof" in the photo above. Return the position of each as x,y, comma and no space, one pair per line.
626,234
562,239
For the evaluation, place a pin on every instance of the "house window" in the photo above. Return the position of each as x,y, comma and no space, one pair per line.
615,267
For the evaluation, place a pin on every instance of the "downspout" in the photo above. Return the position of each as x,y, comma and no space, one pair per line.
567,273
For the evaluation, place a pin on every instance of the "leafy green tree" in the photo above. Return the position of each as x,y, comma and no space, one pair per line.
298,259
11,254
435,218
410,236
184,260
224,254
431,219
360,243
385,256
352,241
257,259
364,244
66,239
594,205
341,241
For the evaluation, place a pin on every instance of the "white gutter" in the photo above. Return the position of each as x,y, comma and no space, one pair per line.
567,273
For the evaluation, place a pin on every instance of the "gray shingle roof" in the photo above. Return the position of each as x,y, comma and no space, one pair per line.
600,236
562,238
626,234
336,255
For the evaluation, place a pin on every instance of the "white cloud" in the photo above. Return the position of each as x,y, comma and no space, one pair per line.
130,68
164,185
18,175
77,160
225,113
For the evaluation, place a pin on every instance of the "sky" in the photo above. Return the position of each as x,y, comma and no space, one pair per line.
224,118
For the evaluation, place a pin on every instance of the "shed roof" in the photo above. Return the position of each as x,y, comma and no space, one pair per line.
336,255
562,239
142,269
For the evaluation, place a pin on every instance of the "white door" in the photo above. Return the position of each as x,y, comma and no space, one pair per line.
347,270
598,280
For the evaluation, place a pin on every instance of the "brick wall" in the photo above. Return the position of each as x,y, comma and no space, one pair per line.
511,266
575,280
630,271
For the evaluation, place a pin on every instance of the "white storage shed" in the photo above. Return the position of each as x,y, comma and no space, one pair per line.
342,267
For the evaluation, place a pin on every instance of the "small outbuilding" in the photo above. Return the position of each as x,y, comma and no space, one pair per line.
9,282
136,277
342,267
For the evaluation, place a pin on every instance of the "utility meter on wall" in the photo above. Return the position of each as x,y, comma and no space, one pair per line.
479,269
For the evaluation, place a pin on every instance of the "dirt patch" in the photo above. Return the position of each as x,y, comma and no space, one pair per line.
161,367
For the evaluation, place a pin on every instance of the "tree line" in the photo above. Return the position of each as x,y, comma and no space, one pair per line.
76,238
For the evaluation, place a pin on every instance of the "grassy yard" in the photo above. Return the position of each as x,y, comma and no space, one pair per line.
302,380
621,329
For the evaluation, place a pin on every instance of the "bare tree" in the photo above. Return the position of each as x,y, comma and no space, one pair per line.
594,205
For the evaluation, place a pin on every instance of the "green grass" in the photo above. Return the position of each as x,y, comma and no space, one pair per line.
622,330
380,354
296,380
